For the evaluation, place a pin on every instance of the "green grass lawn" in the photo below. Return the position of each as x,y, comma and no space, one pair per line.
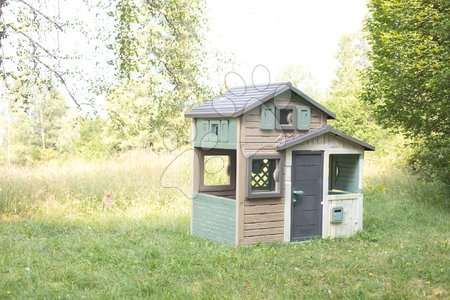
59,242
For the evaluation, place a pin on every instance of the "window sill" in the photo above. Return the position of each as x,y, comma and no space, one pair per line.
256,195
349,196
285,127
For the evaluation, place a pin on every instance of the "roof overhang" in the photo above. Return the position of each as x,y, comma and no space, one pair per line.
238,111
329,113
321,131
230,110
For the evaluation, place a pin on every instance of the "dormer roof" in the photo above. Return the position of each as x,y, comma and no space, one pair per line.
296,140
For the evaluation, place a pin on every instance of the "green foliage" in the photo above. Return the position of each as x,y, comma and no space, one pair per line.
408,81
353,116
47,111
39,127
159,62
58,240
301,78
431,158
92,142
159,49
40,154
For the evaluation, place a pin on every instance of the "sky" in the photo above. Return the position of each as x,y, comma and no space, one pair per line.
246,33
277,33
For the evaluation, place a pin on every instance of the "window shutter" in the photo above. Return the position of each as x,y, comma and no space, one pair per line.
223,131
267,118
304,117
202,130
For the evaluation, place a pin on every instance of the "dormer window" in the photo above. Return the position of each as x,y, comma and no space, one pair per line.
286,117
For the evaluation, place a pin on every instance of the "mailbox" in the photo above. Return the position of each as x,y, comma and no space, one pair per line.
337,214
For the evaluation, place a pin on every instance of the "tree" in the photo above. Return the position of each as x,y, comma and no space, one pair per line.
38,128
353,116
47,113
159,59
35,75
301,78
29,45
408,81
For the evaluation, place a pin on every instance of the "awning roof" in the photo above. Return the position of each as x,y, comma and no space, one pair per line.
290,142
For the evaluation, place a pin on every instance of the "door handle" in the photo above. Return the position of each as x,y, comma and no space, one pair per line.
297,195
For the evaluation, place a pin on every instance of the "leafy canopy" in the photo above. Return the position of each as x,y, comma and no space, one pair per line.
408,82
159,58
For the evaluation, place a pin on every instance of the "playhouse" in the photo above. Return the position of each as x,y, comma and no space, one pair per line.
268,168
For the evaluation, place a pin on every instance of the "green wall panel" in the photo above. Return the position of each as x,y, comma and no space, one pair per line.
214,218
225,138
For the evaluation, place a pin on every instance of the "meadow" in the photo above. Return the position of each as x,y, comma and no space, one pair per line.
60,239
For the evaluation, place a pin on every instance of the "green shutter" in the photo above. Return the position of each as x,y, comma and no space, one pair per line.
267,118
303,117
202,130
223,131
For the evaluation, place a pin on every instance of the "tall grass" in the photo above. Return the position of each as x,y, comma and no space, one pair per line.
389,179
141,184
146,184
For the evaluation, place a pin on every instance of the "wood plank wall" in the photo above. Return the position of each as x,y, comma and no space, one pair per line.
264,218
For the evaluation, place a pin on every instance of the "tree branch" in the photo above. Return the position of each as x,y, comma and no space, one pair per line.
171,25
2,32
174,77
61,79
42,14
33,41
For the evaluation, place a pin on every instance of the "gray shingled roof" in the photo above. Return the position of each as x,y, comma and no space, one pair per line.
237,101
293,141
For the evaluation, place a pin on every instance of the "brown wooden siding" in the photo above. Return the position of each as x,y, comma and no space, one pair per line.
264,218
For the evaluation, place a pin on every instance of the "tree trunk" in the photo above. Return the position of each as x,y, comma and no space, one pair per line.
42,129
8,132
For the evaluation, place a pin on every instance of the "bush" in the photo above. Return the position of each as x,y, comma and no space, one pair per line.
39,154
92,142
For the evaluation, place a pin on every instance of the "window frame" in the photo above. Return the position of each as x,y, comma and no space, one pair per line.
217,187
277,193
293,124
214,134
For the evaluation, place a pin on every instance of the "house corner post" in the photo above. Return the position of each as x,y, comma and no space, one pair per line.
240,183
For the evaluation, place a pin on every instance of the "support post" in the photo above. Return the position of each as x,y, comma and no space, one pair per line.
240,183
